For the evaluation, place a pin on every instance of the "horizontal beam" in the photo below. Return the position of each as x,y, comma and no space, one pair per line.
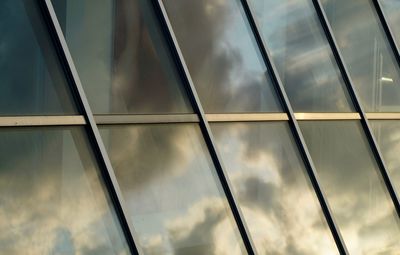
18,121
143,119
383,115
327,116
242,117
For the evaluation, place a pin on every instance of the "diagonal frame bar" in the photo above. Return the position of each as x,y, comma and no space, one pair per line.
387,29
92,129
204,126
295,130
364,120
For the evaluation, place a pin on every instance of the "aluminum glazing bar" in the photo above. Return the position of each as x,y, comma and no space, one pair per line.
204,126
383,115
243,117
327,116
357,105
42,121
142,119
388,31
296,131
93,132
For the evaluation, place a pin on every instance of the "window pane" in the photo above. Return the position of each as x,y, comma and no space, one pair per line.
391,10
222,56
121,57
52,199
352,183
171,189
31,78
302,55
387,134
366,52
271,184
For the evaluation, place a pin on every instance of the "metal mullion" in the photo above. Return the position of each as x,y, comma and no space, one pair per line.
204,126
357,104
383,115
388,31
311,170
112,119
244,117
26,121
93,132
327,116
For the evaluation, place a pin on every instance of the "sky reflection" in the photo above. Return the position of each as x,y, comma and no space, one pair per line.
121,57
222,56
273,190
51,198
353,185
171,189
366,52
302,55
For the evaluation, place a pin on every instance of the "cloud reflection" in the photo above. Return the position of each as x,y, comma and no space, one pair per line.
51,199
301,52
353,185
366,52
171,189
270,183
222,56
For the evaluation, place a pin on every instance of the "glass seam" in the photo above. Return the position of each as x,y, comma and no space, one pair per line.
312,174
205,128
97,145
364,120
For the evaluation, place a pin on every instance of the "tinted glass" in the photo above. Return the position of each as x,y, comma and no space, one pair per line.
171,189
52,200
387,134
366,52
302,55
352,183
222,56
274,193
121,56
391,10
31,79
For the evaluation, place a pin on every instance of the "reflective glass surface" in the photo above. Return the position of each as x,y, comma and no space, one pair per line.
121,57
391,9
302,55
52,199
387,134
171,189
351,180
222,56
366,52
31,79
270,182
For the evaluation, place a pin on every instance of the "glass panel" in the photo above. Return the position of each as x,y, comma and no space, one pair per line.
31,78
366,52
391,10
52,199
122,57
387,134
169,183
302,55
222,56
271,184
352,182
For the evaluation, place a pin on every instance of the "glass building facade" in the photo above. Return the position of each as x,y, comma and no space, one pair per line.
199,127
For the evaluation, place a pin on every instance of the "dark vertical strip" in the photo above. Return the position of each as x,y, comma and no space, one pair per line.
204,126
357,104
295,130
93,132
388,31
